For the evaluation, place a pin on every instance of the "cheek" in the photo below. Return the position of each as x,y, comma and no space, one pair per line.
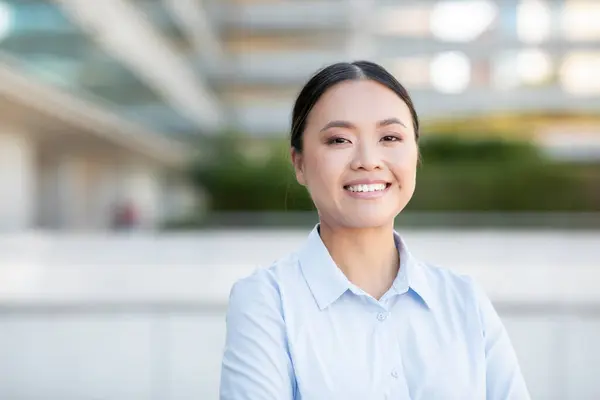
326,170
403,161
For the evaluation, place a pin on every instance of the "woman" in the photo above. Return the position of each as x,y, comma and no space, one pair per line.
352,314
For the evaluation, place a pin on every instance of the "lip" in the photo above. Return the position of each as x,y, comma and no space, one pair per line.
367,195
365,182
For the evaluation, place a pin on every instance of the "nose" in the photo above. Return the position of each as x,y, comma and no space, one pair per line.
366,157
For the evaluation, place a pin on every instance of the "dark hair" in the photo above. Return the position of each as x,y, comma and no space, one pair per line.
337,73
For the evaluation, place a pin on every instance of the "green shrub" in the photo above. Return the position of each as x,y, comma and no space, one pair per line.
502,187
236,182
453,149
456,175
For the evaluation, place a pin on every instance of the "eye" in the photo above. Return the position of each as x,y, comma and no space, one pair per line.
337,140
391,138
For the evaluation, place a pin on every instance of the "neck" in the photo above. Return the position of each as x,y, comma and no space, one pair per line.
368,257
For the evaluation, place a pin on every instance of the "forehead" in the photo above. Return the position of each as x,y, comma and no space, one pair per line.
362,101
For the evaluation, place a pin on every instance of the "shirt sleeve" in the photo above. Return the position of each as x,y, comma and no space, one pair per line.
504,380
256,363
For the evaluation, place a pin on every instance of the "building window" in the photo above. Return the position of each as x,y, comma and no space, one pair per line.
579,73
522,68
580,20
462,21
6,20
450,72
534,67
533,21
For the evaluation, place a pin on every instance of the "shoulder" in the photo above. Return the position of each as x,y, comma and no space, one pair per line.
460,299
452,287
264,288
446,279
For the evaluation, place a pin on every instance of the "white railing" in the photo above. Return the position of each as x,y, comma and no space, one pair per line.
142,316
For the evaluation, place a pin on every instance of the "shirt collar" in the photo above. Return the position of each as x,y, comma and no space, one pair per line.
411,275
327,282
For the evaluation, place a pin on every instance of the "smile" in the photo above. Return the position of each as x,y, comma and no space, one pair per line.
367,190
364,188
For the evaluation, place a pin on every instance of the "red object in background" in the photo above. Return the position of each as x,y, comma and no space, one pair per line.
126,216
129,215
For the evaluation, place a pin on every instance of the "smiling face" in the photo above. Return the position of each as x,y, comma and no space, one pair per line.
359,156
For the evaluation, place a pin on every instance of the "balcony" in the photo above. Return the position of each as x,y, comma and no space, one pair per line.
263,118
285,16
479,49
269,117
281,68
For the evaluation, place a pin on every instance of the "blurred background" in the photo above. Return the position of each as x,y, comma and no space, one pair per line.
144,168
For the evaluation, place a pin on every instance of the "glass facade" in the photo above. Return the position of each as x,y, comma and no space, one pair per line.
444,47
39,39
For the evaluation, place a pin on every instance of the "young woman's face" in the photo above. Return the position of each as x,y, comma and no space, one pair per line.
359,155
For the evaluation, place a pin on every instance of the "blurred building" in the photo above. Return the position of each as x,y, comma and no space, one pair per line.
98,105
101,100
456,57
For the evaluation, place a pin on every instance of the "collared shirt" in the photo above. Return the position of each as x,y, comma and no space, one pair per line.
301,330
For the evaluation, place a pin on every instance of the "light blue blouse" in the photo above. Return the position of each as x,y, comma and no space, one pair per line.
301,330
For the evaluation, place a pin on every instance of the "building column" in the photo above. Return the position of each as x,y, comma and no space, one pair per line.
180,199
86,193
70,193
17,181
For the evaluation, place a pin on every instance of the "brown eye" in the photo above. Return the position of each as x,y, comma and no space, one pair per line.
391,138
337,140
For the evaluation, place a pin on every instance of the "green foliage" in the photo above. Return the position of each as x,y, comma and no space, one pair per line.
236,181
456,175
503,187
453,149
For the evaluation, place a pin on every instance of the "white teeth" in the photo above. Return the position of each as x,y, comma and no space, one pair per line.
367,188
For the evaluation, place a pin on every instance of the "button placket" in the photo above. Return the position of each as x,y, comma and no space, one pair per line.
382,316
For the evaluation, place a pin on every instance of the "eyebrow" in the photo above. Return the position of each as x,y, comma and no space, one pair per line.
349,125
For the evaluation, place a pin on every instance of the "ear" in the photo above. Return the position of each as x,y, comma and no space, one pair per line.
298,162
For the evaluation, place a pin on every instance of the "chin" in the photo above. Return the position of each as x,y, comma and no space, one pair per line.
368,220
364,216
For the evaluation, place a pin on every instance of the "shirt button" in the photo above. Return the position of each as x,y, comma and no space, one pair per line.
395,374
381,316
